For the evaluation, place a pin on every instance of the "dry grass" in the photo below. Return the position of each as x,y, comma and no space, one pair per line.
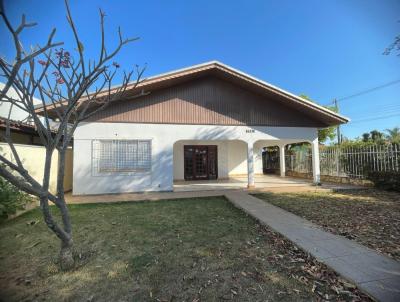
371,217
200,249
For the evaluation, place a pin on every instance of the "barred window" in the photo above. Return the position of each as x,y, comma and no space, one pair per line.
121,156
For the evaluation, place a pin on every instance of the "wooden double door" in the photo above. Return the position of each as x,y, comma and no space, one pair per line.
200,162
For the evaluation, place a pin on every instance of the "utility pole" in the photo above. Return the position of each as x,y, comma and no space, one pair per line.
339,138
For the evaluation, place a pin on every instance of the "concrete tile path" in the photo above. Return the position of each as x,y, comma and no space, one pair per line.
374,273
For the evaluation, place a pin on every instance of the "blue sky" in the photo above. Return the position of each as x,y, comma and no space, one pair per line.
324,49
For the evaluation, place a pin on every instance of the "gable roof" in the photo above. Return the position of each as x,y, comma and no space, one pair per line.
238,77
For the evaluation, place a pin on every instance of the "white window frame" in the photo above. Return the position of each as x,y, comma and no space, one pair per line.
117,158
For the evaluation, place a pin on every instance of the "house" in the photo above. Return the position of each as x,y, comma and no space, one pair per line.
21,132
208,121
22,127
12,112
26,141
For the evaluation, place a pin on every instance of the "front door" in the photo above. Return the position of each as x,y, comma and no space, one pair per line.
200,162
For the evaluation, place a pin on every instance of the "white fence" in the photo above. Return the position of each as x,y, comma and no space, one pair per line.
352,162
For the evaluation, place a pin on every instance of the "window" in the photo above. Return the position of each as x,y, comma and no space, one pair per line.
121,156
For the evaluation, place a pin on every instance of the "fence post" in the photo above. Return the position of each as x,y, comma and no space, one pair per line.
337,161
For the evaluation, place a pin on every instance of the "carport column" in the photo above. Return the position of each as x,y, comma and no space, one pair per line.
250,165
315,161
282,166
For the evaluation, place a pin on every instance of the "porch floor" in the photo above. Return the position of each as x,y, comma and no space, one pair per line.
262,182
189,189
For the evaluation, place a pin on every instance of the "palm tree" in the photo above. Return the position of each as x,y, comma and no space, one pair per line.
376,136
365,137
393,134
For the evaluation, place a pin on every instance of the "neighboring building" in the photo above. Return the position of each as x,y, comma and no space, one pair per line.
17,114
28,145
22,128
203,122
21,132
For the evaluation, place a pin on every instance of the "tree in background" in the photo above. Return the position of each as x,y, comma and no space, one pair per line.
71,85
395,46
366,137
379,137
324,134
393,135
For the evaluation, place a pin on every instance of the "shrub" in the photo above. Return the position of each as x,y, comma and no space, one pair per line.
389,180
11,199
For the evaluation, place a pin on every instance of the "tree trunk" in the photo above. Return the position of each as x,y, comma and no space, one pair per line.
64,234
66,252
66,256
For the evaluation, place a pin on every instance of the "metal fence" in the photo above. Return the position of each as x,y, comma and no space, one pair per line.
352,162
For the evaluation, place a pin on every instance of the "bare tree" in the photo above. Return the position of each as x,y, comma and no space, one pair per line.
73,90
395,46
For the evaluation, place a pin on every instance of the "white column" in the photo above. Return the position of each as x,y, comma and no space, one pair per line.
315,161
282,166
250,165
258,165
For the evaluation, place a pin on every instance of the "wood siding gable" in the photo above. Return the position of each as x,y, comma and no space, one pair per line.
207,101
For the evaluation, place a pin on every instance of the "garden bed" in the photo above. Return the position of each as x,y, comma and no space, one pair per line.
371,217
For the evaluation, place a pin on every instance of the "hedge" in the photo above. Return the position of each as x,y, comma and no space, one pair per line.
389,180
11,199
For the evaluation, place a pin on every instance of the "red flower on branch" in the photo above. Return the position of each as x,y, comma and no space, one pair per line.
59,53
43,63
64,63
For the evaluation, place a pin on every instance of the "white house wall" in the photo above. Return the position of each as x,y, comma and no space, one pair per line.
237,158
163,137
258,166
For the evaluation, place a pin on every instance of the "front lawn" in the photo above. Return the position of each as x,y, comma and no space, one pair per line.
371,217
200,249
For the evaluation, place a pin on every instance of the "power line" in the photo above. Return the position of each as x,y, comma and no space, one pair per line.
374,118
365,91
368,90
375,108
378,112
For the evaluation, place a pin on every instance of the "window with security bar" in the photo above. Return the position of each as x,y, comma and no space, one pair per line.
121,156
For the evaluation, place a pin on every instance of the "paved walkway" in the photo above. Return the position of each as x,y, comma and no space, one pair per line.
374,273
